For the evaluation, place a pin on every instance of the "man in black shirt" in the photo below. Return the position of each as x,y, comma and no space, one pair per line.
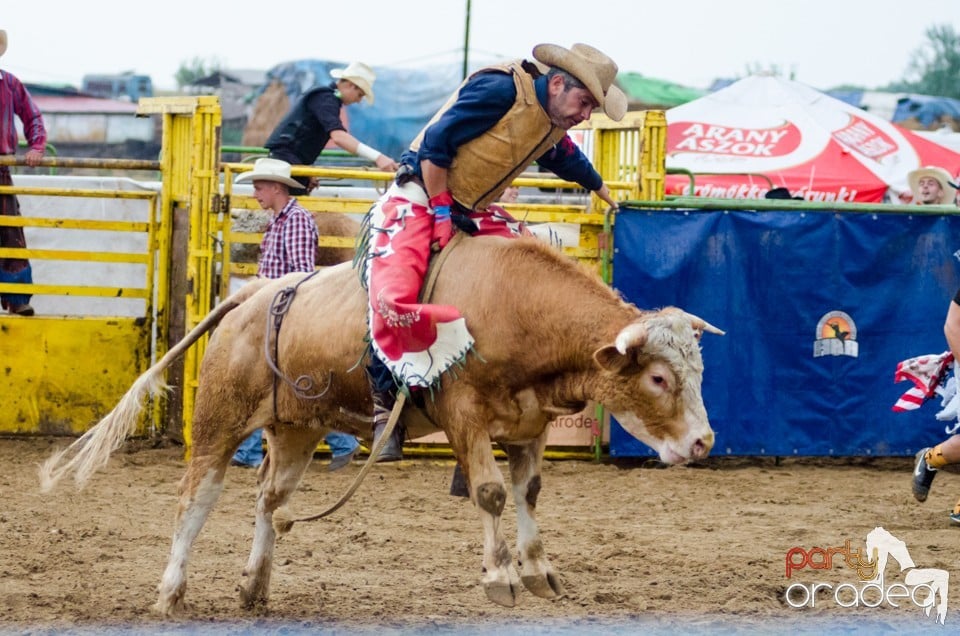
315,119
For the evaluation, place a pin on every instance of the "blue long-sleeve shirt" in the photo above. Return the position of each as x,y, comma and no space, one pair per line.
482,102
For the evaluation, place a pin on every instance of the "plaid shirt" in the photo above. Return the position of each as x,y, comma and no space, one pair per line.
15,100
290,242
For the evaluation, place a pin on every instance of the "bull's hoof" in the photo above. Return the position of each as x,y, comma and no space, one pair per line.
501,593
251,599
171,603
167,608
547,586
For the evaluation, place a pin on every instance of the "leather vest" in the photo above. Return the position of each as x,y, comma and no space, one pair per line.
483,167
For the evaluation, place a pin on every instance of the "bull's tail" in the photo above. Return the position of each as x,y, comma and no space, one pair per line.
91,452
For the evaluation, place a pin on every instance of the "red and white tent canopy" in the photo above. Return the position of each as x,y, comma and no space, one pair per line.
816,146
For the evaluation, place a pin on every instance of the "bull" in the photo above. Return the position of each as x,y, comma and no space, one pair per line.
547,342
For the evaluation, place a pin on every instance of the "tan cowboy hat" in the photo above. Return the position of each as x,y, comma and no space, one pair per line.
3,41
267,169
592,67
360,74
948,194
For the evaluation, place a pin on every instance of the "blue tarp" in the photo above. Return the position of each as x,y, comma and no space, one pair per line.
927,110
783,381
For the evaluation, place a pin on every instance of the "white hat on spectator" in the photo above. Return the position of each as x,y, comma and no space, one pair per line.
269,169
360,74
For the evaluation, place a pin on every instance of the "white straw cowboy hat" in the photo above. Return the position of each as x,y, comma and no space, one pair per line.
3,41
593,68
360,74
948,193
267,169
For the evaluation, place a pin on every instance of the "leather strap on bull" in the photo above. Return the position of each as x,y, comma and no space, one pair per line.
303,385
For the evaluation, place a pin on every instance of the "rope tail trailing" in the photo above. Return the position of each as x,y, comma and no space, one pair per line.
91,452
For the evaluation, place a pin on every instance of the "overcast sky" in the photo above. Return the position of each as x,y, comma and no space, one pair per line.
825,43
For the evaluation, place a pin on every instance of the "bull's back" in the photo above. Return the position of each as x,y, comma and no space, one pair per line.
508,291
321,319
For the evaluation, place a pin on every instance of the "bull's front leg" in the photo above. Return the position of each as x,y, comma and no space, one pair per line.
489,494
536,573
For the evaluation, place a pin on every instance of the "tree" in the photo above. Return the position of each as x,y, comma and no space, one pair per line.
190,72
934,68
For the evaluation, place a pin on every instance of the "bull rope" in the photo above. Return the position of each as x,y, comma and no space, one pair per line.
279,307
281,520
282,523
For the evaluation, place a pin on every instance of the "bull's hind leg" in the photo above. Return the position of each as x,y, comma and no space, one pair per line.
198,491
290,449
536,572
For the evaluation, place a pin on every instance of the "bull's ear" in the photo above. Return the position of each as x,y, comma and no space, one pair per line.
610,359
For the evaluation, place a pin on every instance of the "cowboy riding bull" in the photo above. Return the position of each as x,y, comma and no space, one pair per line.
507,334
538,355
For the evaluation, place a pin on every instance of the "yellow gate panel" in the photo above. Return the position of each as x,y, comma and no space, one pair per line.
59,376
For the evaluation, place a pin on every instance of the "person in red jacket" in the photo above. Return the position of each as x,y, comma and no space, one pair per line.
15,100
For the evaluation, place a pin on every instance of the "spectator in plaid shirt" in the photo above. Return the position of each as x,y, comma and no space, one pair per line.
289,245
15,100
290,242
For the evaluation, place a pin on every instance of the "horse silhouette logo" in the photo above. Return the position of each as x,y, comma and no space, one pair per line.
931,583
925,588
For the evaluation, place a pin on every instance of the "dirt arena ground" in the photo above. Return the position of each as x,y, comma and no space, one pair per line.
701,549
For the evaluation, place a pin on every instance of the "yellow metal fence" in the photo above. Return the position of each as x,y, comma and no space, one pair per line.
94,255
190,236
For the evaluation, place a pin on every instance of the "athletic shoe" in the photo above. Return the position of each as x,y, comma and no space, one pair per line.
922,476
955,518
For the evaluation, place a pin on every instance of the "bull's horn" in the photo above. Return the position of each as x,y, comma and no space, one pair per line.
632,335
699,324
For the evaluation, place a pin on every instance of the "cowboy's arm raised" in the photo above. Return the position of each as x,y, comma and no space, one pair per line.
353,145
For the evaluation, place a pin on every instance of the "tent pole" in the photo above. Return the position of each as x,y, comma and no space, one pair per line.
466,41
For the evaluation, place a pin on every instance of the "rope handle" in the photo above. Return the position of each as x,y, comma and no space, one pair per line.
371,460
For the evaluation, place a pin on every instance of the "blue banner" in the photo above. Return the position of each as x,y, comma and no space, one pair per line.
819,307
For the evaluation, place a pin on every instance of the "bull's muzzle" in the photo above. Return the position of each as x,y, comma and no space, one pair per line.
701,446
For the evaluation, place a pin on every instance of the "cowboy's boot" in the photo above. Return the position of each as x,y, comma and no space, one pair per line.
383,402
